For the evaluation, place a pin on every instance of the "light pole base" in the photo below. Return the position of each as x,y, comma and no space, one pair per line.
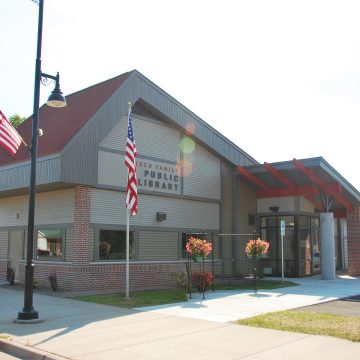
27,317
31,321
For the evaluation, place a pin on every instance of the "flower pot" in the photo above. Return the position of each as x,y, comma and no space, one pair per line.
257,256
198,258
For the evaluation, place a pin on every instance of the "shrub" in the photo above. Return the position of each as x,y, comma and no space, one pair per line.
53,281
200,279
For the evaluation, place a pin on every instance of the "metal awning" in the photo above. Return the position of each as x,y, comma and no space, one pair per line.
314,178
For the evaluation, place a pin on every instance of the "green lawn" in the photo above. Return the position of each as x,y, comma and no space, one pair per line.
158,297
345,327
137,299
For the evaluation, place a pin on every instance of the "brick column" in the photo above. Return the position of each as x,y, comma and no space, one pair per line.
81,225
353,239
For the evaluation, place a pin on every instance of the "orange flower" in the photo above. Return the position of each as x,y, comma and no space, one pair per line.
198,247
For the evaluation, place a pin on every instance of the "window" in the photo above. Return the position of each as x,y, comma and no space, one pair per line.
112,245
50,244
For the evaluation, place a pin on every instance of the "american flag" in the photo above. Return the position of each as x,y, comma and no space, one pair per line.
9,137
130,154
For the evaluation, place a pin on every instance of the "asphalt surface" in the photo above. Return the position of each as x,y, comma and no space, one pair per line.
349,306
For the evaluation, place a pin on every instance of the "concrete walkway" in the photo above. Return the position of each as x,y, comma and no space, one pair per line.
225,306
79,330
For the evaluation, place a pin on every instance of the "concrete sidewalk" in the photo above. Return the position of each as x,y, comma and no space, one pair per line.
225,306
79,330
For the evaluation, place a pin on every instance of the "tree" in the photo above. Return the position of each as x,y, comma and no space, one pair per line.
16,119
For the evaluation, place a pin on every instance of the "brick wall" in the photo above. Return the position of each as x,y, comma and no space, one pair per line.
3,267
81,225
104,276
353,238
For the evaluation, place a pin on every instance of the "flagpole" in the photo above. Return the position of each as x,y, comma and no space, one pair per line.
128,209
127,251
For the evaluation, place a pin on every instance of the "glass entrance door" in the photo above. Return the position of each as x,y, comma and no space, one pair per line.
305,246
270,231
315,242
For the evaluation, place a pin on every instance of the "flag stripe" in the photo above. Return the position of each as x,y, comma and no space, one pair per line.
130,154
9,137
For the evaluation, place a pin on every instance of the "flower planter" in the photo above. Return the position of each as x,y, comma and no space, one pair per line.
198,258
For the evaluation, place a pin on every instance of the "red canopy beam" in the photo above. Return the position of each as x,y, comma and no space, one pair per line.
282,178
326,189
252,178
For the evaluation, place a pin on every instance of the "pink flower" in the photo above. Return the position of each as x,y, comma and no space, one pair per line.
197,246
257,247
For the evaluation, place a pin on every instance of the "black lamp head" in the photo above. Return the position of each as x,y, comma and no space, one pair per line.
56,98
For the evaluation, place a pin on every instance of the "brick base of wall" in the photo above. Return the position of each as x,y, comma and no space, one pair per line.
3,267
106,276
353,236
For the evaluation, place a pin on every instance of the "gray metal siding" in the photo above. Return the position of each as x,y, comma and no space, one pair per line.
4,243
158,245
227,218
79,157
108,207
18,176
202,174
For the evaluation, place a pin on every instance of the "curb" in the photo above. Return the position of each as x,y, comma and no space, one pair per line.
27,352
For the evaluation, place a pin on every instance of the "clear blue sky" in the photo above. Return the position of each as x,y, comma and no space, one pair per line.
281,79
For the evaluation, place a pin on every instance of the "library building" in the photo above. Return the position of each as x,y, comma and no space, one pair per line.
192,181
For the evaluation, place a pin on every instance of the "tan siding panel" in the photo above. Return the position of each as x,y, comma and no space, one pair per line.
148,135
111,169
201,173
107,207
152,175
306,205
53,207
285,204
4,236
158,245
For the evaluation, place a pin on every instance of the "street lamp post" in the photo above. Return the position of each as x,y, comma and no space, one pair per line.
28,313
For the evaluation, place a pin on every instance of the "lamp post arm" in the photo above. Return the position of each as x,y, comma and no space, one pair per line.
52,77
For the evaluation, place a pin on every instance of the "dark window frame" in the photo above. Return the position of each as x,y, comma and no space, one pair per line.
105,254
51,250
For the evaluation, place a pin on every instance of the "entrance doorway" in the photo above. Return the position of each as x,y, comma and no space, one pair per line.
16,249
301,245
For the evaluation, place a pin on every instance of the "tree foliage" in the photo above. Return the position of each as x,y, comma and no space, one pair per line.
16,119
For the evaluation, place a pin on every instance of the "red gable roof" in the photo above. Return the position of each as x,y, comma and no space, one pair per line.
60,125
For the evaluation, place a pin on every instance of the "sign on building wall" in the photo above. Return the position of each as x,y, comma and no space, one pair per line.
158,176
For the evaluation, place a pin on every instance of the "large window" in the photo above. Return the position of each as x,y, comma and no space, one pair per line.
49,245
112,245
